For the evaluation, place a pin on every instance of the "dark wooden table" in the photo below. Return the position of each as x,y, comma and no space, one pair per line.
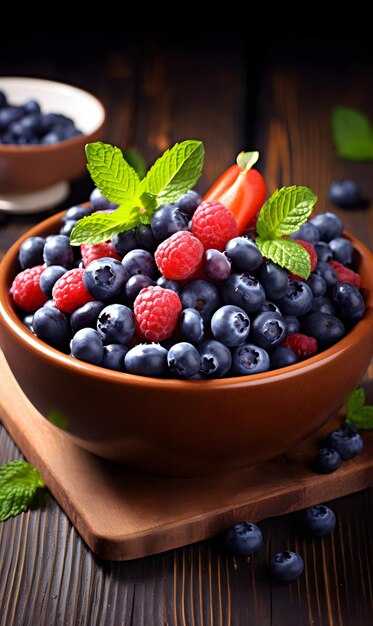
231,97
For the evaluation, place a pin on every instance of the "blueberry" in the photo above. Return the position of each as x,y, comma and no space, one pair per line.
31,106
76,213
31,252
244,538
139,262
326,329
344,193
28,319
87,345
342,250
274,280
216,265
317,285
319,520
287,566
184,359
52,326
125,242
167,220
349,301
329,226
292,324
50,275
8,115
51,138
216,358
201,295
168,284
231,325
282,357
244,254
323,251
346,441
268,330
86,315
188,202
146,360
298,299
3,100
99,202
57,251
269,307
105,279
323,305
67,228
116,323
327,461
307,232
249,359
113,357
145,238
191,325
244,291
135,284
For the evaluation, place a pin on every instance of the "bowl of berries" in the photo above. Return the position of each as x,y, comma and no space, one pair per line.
44,126
149,327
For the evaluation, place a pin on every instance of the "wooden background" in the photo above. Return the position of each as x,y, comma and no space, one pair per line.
232,97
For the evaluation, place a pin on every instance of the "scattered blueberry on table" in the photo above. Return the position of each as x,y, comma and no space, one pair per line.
287,566
319,520
345,193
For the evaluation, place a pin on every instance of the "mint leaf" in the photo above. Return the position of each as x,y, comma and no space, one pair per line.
114,177
137,161
18,484
287,253
358,412
355,401
352,134
285,211
175,172
101,227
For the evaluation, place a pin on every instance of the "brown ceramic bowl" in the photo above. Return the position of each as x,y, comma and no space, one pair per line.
183,427
25,169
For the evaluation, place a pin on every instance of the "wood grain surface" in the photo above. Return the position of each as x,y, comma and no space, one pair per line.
232,98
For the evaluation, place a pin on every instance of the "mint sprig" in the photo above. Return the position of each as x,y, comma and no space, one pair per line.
283,214
352,134
358,412
18,484
174,173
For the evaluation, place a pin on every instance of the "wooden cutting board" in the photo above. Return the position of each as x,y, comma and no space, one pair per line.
122,514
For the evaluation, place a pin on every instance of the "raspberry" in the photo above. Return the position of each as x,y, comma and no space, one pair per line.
313,256
302,345
214,225
91,252
156,311
69,292
26,291
344,274
179,256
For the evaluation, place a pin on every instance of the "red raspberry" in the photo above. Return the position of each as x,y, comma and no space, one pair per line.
69,292
157,311
302,345
214,225
92,251
179,256
344,274
26,291
313,255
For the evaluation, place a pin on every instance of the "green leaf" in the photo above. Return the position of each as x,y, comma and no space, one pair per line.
352,134
137,161
114,177
355,401
175,172
286,253
362,418
285,211
101,227
18,484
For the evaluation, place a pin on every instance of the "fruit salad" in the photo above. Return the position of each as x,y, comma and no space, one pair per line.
149,278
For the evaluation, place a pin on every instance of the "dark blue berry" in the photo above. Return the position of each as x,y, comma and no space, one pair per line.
329,226
139,261
342,250
349,301
52,326
8,115
346,441
87,345
244,254
3,100
188,202
323,251
31,106
287,566
323,305
244,538
319,520
167,220
344,193
86,315
67,228
274,280
135,284
31,252
249,359
231,325
216,265
326,329
244,291
116,323
57,251
327,461
191,325
307,232
105,279
201,295
317,285
145,238
282,357
113,357
184,359
216,358
298,299
50,275
268,330
27,320
146,360
125,242
76,213
99,202
269,307
168,284
292,324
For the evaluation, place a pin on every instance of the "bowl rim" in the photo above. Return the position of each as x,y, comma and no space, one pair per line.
7,149
11,320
